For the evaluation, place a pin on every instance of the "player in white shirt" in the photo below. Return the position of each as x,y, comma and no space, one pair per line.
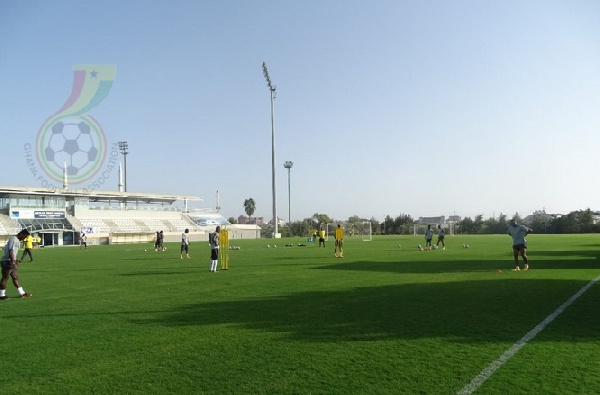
518,233
10,265
185,244
441,237
428,237
213,240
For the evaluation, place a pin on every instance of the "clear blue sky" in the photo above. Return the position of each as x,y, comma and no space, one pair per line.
385,107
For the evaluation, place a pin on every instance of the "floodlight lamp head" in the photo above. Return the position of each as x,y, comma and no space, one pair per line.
288,164
266,74
123,147
269,85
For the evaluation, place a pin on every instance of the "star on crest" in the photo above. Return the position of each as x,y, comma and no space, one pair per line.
93,74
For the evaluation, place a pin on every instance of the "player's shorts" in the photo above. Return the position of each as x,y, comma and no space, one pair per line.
519,247
441,238
214,254
6,265
185,247
428,240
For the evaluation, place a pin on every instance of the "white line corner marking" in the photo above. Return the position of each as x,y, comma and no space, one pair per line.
508,354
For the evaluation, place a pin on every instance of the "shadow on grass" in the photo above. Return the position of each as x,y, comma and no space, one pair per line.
418,267
472,311
429,267
539,260
169,258
559,254
169,272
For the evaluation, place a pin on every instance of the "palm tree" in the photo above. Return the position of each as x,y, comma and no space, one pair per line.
249,207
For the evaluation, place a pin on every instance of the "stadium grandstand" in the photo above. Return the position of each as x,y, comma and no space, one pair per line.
60,216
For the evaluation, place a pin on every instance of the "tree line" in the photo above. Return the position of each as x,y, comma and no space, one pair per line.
580,221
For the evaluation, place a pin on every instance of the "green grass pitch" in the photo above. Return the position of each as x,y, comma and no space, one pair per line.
295,320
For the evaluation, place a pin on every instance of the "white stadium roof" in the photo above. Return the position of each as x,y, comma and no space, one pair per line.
98,195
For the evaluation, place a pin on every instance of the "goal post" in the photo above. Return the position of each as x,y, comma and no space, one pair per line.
364,230
367,231
419,229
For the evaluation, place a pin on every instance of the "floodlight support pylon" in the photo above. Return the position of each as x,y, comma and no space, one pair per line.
288,165
272,90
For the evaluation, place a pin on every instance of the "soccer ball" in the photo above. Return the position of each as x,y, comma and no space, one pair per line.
75,145
71,143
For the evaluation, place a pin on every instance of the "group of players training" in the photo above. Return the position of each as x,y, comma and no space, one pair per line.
516,231
339,240
10,263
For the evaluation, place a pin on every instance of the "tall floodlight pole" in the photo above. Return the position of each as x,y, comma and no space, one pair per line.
272,89
123,147
288,165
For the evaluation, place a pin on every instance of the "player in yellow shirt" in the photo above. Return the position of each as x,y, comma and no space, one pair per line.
339,242
322,237
28,247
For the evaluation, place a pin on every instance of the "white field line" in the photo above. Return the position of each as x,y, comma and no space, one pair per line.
508,354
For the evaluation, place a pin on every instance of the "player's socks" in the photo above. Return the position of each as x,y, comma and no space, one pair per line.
21,291
2,292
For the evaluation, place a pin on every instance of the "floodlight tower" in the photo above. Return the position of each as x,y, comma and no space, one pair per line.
123,147
288,165
273,90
